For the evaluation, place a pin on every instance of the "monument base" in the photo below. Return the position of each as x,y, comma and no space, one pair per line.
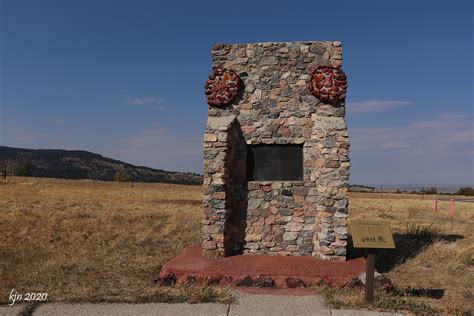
264,271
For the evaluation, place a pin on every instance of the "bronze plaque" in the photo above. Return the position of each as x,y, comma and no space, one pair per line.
371,234
275,162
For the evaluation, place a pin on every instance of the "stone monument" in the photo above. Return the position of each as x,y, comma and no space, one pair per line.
276,148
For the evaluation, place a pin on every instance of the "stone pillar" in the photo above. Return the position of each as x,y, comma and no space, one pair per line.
276,94
224,188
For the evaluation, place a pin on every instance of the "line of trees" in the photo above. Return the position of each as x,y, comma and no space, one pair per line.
467,191
15,168
431,190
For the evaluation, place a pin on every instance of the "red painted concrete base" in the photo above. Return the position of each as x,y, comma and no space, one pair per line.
257,270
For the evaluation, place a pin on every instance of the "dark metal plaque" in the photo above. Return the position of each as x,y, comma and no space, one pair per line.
275,162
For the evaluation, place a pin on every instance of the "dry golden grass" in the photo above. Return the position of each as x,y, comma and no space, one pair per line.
104,241
96,241
446,263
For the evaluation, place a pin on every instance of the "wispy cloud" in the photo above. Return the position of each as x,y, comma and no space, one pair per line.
163,147
375,105
442,133
435,150
60,121
146,102
24,136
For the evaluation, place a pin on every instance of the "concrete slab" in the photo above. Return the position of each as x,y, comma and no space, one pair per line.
131,309
14,310
351,312
274,305
191,267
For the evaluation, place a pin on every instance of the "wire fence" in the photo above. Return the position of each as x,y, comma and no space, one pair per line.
465,190
451,194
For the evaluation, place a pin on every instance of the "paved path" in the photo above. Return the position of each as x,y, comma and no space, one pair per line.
132,309
245,304
264,304
11,311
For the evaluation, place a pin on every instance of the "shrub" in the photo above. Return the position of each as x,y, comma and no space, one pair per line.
123,176
416,238
417,231
431,190
467,191
25,169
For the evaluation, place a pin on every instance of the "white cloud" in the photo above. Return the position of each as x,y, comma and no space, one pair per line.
156,146
24,137
59,121
441,132
147,102
163,148
375,105
435,150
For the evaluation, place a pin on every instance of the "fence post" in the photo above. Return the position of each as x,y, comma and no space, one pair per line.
435,204
452,209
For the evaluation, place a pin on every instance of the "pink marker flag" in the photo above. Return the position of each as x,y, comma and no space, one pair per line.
452,209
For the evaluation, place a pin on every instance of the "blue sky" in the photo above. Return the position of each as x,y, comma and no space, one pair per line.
125,78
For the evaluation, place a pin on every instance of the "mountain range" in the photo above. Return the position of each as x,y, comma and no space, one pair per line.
79,164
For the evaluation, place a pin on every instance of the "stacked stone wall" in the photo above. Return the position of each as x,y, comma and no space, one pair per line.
276,104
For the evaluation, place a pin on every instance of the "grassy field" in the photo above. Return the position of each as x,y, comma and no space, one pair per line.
433,251
104,241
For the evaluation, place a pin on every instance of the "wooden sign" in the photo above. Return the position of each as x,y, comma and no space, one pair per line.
371,234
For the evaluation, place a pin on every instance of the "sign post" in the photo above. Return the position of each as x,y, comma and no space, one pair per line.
369,276
371,235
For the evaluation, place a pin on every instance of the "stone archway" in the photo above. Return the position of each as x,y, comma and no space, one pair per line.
225,188
236,191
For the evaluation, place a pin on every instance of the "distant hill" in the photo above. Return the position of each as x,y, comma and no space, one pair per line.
361,188
79,164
